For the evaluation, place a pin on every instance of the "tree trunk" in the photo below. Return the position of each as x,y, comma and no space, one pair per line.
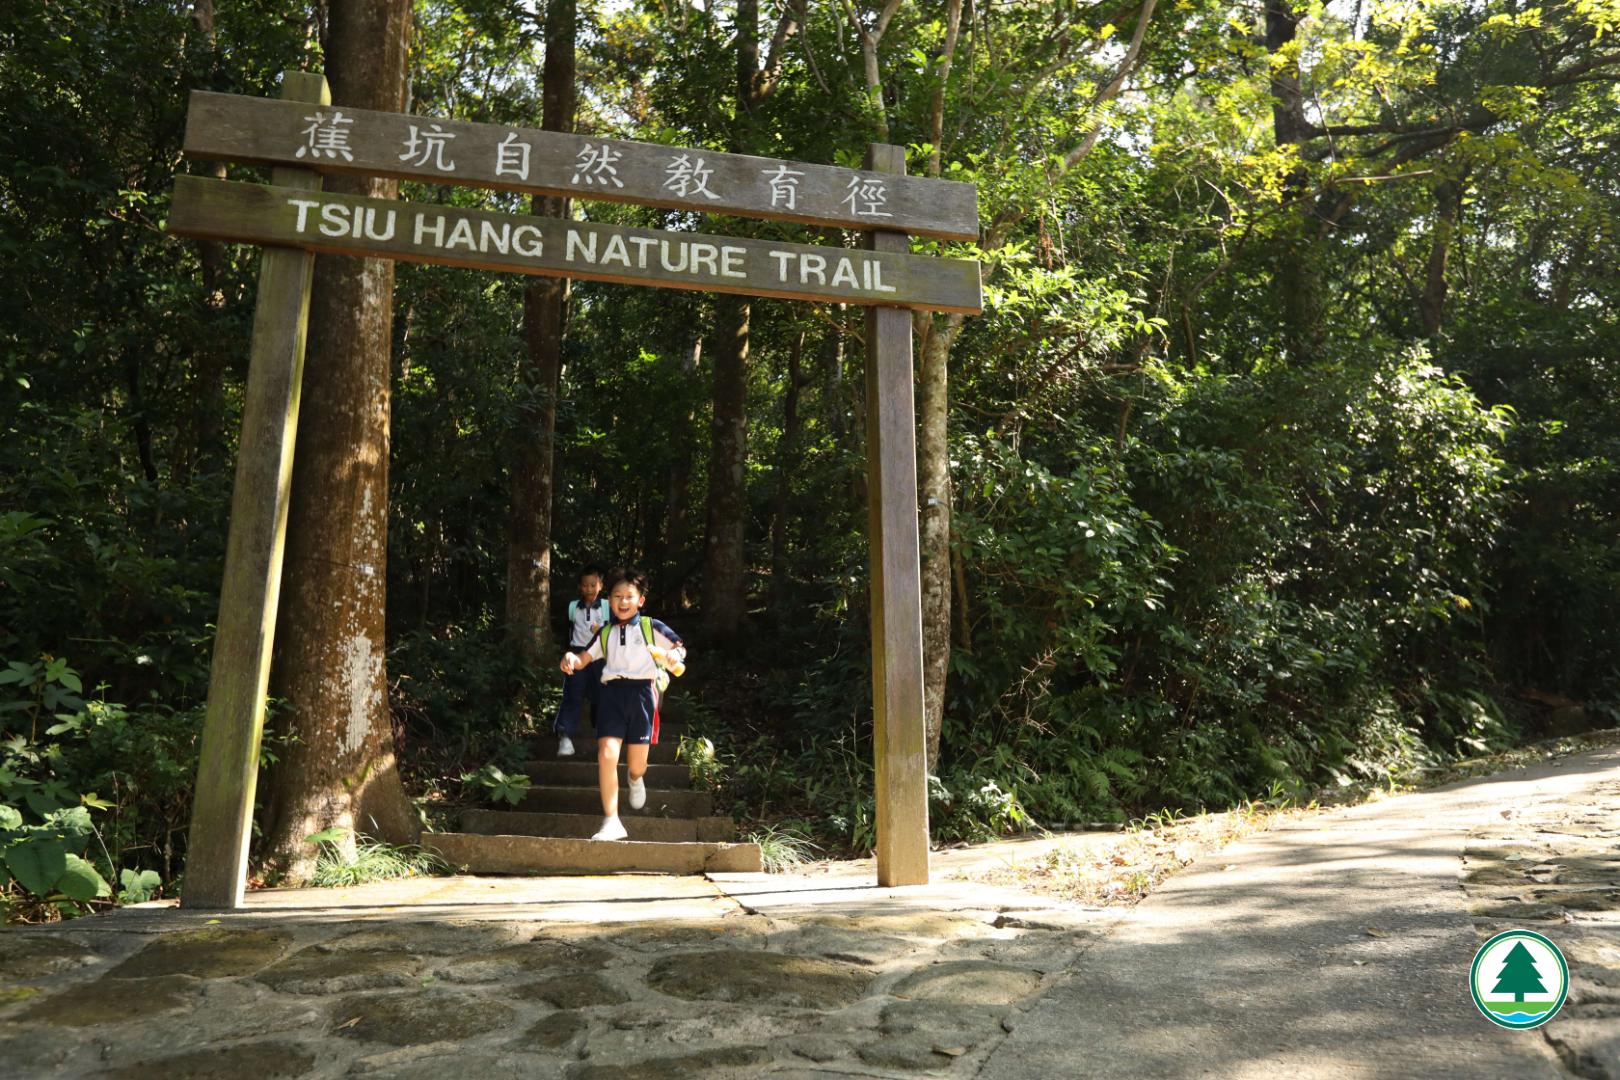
1431,303
787,453
676,538
545,324
1299,276
937,335
328,668
725,566
833,402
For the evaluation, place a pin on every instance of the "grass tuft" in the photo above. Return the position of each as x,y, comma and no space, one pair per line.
782,848
373,861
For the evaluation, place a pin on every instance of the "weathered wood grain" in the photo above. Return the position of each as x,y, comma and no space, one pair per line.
349,225
235,128
239,673
899,742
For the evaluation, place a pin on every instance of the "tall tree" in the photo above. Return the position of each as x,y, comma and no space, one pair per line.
201,440
341,770
725,562
787,455
545,323
1063,45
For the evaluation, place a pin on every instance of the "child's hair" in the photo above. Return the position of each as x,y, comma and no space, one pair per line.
589,569
627,575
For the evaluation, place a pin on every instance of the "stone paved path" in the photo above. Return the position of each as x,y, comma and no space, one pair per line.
824,974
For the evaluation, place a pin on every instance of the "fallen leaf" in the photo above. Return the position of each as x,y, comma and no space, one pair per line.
1373,931
349,1023
951,1051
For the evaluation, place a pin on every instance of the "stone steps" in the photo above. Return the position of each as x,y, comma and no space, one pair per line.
708,830
572,772
674,833
585,800
506,854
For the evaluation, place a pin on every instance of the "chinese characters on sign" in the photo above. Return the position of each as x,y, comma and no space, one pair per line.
610,168
596,165
430,144
784,186
327,135
866,195
512,157
685,177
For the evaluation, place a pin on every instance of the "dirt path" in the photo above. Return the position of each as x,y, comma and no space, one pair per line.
1339,946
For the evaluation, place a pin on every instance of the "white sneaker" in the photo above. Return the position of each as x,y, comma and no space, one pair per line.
638,793
612,829
565,746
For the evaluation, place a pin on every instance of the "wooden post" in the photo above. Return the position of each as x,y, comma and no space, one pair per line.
228,768
899,746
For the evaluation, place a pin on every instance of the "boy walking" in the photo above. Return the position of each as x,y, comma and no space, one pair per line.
633,649
586,617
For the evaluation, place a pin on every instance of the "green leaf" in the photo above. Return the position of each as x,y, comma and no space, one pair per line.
40,802
327,836
138,887
75,821
37,864
81,882
10,817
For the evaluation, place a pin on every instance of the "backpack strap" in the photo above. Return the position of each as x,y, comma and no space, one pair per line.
605,629
660,673
573,606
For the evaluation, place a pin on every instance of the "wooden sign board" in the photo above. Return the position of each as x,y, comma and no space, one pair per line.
378,228
230,127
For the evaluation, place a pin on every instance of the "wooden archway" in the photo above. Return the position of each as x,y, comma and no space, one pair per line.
302,136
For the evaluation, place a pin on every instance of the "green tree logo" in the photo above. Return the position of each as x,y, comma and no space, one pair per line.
1519,976
1519,979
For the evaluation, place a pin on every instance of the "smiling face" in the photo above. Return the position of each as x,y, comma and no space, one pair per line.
625,600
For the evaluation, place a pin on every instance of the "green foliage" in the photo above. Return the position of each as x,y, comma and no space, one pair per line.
42,866
137,886
371,861
706,770
973,809
782,848
54,772
494,785
1242,501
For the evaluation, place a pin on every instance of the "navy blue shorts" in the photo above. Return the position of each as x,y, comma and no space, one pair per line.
624,710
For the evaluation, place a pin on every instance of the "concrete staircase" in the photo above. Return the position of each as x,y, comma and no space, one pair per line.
675,833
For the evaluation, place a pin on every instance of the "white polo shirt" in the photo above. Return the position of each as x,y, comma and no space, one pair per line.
627,655
586,622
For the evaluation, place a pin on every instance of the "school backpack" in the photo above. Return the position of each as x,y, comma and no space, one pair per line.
573,609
